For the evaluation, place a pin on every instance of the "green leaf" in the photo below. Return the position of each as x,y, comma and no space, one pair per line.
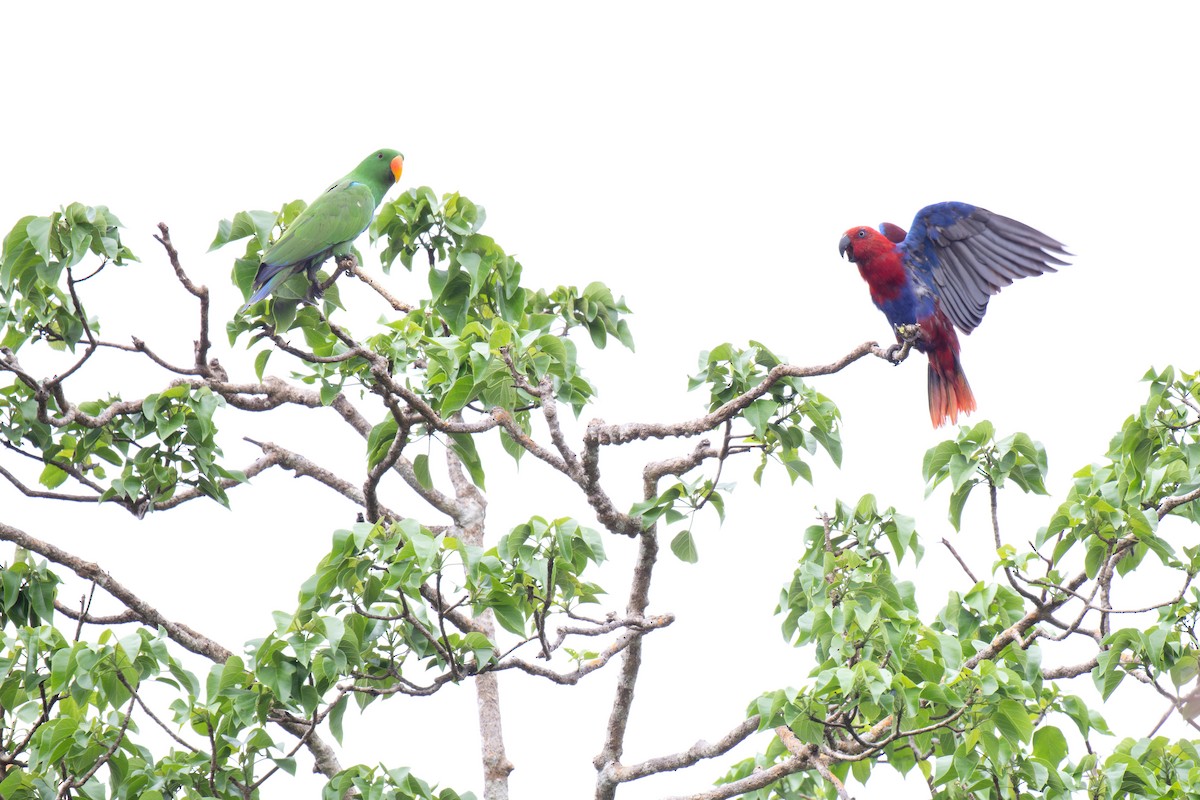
463,445
510,618
458,395
1050,744
759,413
245,223
684,547
52,477
425,548
380,439
260,362
951,651
329,393
1108,674
961,470
957,501
936,459
421,471
1012,720
224,232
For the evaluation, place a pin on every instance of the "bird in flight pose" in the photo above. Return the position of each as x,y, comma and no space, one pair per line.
329,226
939,275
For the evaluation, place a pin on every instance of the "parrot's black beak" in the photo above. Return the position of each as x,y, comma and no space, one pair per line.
845,249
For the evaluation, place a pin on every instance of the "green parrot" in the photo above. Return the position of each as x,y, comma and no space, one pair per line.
329,226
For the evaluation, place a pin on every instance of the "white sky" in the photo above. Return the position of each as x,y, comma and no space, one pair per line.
701,159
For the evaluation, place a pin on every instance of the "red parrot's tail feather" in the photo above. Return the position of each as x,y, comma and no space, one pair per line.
949,392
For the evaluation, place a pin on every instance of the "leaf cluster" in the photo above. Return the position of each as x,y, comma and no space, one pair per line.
791,419
36,254
964,698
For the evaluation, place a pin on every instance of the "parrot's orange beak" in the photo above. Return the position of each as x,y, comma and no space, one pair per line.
397,167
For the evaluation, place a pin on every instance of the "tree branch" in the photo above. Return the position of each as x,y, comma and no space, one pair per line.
636,628
1169,504
701,750
600,433
199,292
631,662
357,271
300,465
179,633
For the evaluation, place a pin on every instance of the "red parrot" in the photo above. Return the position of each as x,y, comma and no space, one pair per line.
939,275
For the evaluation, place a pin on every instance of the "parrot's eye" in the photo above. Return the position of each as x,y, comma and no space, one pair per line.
862,233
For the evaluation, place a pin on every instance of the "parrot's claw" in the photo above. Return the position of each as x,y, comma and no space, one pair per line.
907,335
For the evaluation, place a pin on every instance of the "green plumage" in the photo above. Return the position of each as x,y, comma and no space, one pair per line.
329,226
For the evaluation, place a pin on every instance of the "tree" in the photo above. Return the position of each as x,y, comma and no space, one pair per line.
420,594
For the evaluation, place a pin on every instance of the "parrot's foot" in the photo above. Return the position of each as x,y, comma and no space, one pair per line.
314,294
906,336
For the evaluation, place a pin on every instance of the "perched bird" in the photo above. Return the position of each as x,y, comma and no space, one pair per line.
329,226
939,275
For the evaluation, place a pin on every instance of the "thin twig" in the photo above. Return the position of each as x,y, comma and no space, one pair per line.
958,558
199,292
358,272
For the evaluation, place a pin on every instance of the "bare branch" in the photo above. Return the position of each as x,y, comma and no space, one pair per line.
472,508
631,662
85,605
9,363
357,271
1171,503
606,512
81,315
142,703
1089,606
1072,671
636,628
300,465
701,750
756,780
199,292
178,632
1008,572
42,494
601,434
124,618
375,473
510,426
550,414
676,466
139,346
823,769
958,558
305,355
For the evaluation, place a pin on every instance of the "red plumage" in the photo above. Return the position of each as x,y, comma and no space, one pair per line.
949,392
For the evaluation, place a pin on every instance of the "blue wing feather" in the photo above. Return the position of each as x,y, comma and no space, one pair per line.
966,254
